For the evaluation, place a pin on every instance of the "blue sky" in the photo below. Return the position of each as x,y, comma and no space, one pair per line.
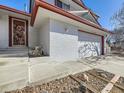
18,4
104,8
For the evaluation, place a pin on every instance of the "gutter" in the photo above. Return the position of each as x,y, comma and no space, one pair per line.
14,10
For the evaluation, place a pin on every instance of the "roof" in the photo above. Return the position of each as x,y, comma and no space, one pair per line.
45,5
14,10
84,6
85,12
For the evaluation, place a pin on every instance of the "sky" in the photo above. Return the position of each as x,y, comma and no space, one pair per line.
18,4
104,8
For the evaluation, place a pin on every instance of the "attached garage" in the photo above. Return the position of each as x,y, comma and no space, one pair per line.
89,44
65,42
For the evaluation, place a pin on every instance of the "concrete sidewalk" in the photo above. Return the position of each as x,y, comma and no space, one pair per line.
47,70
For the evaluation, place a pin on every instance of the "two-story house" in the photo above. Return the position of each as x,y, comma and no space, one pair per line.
66,29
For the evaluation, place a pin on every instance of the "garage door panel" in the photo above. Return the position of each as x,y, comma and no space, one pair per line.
89,45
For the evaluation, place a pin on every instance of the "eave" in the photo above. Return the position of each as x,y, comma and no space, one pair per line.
14,10
94,18
85,11
83,6
45,5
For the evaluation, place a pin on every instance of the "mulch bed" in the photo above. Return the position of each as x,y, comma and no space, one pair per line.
93,81
85,82
102,73
116,90
64,85
121,81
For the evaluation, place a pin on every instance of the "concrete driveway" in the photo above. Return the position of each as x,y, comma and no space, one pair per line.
19,73
51,69
112,63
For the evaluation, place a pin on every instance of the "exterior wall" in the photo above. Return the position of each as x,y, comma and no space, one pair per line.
44,36
89,45
50,1
107,49
63,41
73,7
33,37
4,31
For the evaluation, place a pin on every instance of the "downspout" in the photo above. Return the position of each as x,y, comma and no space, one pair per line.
102,45
31,4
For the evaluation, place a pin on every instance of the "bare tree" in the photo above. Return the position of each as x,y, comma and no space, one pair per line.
118,18
118,22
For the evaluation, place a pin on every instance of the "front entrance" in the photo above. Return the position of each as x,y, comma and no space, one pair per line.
18,34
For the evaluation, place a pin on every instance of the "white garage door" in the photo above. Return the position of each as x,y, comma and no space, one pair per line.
89,44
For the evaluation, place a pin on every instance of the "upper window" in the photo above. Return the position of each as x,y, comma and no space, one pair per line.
62,5
58,3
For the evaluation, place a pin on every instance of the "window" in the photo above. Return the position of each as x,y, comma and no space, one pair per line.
58,3
62,5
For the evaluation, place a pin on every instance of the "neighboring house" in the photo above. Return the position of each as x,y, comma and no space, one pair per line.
117,38
122,44
119,44
66,29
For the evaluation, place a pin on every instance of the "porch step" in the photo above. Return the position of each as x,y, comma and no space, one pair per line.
11,49
14,52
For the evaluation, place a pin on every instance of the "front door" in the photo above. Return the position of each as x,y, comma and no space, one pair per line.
18,32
